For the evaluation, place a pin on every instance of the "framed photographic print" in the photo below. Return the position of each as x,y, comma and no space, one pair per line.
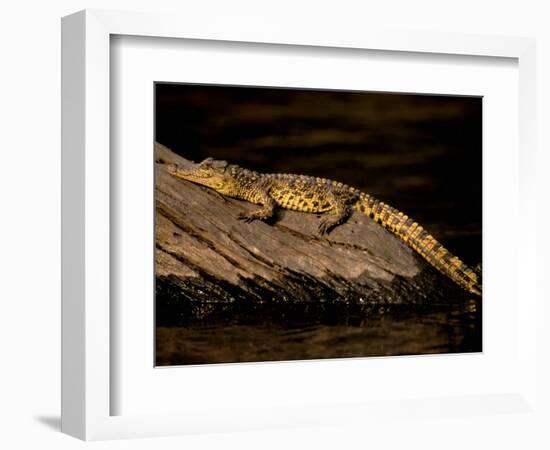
263,228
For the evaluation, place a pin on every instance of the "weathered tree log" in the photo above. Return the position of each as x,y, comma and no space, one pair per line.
204,254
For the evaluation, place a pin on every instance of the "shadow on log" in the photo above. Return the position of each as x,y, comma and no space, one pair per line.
205,256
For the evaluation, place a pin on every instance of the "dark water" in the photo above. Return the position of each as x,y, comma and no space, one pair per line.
313,332
419,153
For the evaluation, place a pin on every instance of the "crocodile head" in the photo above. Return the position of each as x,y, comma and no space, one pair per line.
210,172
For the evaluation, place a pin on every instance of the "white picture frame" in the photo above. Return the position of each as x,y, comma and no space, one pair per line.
87,384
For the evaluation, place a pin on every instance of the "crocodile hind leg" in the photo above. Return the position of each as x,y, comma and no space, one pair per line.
337,215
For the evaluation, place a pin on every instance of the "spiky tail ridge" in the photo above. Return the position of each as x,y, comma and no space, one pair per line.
421,241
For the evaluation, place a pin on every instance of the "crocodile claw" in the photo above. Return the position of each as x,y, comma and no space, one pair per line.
247,218
325,226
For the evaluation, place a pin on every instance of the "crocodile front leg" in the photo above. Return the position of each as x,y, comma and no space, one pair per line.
259,195
264,213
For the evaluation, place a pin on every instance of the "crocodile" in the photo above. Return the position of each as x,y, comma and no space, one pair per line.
319,195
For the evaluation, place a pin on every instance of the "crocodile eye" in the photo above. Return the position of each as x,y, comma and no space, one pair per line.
207,162
219,164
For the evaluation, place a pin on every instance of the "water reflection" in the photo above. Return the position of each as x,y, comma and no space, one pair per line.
330,331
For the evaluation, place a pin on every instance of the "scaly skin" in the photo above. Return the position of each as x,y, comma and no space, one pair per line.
318,195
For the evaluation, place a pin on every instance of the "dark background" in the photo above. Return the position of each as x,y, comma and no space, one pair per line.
420,153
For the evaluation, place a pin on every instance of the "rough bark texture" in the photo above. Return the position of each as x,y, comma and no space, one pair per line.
205,256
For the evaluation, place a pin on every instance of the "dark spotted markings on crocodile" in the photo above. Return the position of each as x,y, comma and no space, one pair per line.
318,195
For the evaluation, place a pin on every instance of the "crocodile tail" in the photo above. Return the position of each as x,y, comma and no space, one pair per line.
421,241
